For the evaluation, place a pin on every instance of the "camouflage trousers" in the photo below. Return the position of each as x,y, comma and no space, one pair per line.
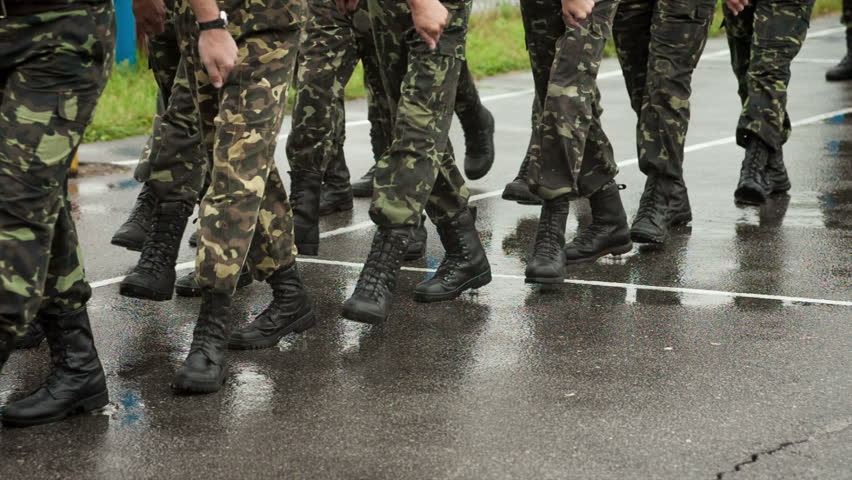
331,47
569,153
173,161
764,39
53,67
418,171
245,215
659,43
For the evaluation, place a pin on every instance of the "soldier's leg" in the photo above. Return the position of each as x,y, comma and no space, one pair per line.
478,127
779,27
678,35
245,214
418,168
843,70
47,102
163,59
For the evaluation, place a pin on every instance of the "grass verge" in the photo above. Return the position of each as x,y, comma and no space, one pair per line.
495,45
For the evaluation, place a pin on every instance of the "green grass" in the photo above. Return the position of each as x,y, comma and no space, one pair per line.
495,45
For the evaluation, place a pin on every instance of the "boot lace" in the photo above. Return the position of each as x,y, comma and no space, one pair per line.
381,263
141,213
156,252
548,240
648,203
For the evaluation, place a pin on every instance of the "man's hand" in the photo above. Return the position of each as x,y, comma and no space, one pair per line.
736,6
575,11
346,6
430,18
150,16
218,52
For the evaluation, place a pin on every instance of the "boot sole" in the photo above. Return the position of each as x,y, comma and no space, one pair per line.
749,196
99,400
189,386
303,324
545,280
619,250
361,193
337,208
28,345
132,246
137,291
522,200
478,281
351,313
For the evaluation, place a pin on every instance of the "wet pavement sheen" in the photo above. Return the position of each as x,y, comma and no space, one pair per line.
740,369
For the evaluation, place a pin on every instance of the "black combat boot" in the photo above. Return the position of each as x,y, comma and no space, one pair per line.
204,369
336,193
776,173
76,383
34,336
305,200
479,143
7,344
464,266
547,264
373,296
187,285
753,188
363,187
193,239
131,235
664,204
608,234
843,70
417,245
518,190
290,311
154,275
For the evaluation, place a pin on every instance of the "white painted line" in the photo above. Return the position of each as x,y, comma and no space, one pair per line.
494,193
826,32
821,61
595,283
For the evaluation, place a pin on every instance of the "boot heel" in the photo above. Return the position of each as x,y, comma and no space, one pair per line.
621,250
94,402
309,249
306,323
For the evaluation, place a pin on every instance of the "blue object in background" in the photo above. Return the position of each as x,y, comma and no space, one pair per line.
125,42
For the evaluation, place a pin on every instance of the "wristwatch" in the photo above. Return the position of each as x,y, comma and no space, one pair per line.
221,22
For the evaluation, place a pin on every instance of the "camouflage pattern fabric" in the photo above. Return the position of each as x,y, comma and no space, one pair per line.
764,39
245,215
332,44
53,67
659,43
570,154
173,162
418,171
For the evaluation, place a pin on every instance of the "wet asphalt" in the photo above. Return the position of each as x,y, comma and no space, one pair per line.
725,354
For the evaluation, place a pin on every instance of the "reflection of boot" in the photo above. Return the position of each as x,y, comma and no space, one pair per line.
7,344
290,311
479,144
465,265
547,264
371,301
843,70
776,173
608,234
76,383
753,188
204,369
518,190
154,275
305,201
336,194
664,204
417,245
363,187
34,336
187,285
131,235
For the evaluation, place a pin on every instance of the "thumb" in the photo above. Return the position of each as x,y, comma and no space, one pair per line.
215,75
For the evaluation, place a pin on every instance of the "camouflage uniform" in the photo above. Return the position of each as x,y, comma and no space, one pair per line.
53,67
173,162
764,39
245,215
659,43
418,171
569,153
331,47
